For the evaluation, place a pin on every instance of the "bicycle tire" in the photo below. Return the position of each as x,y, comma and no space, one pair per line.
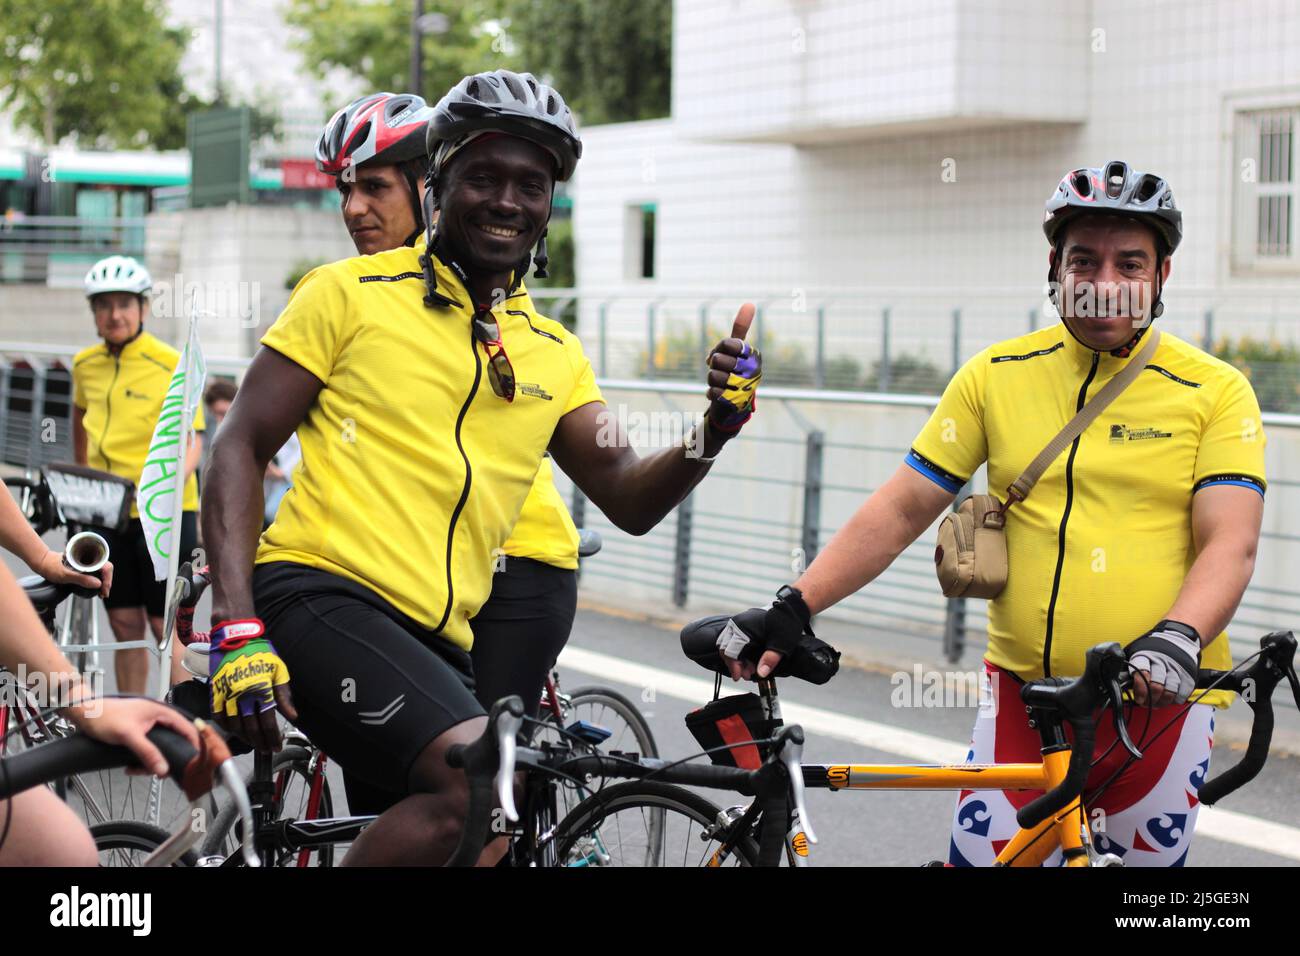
591,818
222,840
133,836
609,700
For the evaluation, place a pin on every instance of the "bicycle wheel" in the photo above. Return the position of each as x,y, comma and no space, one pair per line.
129,843
603,707
291,772
606,708
617,827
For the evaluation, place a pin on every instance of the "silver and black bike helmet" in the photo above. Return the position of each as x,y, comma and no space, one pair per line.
1119,190
505,102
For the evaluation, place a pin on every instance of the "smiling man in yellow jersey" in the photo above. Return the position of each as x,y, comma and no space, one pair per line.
118,391
1142,532
425,389
369,146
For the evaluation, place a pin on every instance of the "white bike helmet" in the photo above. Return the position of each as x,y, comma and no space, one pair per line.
118,274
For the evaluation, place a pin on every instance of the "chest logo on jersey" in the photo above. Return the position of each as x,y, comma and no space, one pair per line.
534,391
1119,434
132,393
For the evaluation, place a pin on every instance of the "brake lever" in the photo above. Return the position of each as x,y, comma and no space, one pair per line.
234,787
508,723
792,758
1117,713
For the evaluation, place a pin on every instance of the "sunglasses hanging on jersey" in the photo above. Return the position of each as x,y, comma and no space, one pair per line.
500,372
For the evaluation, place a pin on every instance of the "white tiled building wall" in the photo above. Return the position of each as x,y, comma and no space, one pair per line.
942,211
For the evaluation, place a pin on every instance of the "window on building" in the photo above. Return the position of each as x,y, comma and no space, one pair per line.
639,241
1265,234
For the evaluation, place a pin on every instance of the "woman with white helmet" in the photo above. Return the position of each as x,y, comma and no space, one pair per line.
118,390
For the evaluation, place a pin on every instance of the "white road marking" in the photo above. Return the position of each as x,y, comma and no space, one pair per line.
1214,822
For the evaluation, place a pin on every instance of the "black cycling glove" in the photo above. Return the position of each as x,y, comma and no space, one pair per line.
1171,653
777,628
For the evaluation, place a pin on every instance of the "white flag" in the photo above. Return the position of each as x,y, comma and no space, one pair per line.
160,493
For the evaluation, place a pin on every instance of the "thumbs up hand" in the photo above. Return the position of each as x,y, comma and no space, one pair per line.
735,369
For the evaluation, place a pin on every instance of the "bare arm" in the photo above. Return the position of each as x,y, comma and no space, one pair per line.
18,537
26,649
885,524
78,435
634,492
194,455
1225,529
272,402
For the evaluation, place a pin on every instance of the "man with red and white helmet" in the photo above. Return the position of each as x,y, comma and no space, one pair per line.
375,149
425,389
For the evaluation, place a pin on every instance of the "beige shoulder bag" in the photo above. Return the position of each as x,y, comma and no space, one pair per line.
971,558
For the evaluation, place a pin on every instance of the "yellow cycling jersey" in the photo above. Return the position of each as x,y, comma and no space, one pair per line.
413,470
122,396
544,532
1100,548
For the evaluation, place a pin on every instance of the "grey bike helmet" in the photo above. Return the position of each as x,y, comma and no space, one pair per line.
506,102
1119,190
502,101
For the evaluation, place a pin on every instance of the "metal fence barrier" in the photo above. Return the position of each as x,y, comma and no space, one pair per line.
684,561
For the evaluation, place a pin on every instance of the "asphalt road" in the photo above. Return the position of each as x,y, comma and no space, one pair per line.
885,828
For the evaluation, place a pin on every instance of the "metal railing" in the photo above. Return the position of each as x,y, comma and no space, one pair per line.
724,558
906,340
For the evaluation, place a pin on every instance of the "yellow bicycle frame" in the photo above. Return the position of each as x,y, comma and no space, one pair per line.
1028,847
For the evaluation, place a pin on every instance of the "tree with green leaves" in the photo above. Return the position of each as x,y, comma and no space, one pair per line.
373,42
611,59
107,72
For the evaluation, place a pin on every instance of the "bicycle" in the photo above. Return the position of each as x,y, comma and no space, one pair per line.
195,771
776,823
292,799
87,552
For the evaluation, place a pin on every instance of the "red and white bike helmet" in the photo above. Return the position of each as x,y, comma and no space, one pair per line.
382,129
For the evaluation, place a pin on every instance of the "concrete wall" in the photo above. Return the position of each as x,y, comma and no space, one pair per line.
933,217
841,69
237,257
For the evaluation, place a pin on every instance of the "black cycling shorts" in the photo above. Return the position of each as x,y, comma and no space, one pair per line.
521,630
372,687
518,634
133,580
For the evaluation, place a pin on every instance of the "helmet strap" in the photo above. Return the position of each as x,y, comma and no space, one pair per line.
432,296
541,258
413,183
